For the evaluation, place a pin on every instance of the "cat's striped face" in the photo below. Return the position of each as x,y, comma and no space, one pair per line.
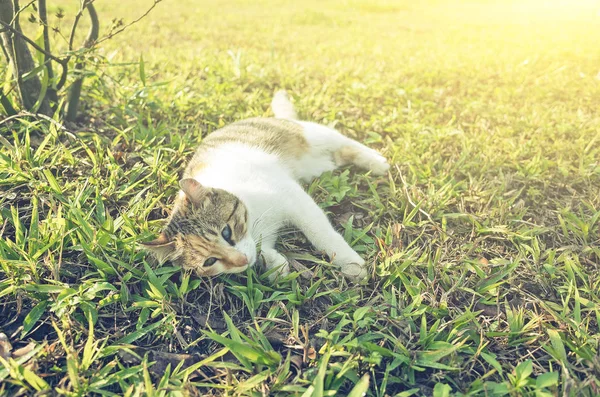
208,232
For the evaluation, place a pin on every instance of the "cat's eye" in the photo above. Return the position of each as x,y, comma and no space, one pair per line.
226,233
209,262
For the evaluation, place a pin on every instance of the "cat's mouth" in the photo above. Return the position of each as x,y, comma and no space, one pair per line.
247,246
238,269
232,268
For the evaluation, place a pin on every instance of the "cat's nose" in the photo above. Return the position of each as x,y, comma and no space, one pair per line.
241,260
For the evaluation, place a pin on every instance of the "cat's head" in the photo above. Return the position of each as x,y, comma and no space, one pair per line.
207,232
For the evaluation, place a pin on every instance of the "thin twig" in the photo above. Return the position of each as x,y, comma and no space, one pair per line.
43,14
39,115
405,186
20,10
63,62
75,90
79,14
16,59
112,34
34,45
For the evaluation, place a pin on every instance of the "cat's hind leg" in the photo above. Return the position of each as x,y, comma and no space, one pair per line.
329,150
361,156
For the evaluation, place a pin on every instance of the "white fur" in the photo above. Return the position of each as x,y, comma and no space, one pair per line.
282,107
270,189
247,246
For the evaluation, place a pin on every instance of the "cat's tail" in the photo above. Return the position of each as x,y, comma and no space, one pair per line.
282,106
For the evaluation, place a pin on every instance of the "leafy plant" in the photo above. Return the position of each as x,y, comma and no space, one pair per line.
38,89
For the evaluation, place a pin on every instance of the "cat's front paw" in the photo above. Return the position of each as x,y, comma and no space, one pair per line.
276,263
352,267
354,271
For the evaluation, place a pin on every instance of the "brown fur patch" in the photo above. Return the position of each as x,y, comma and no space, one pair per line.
344,156
282,137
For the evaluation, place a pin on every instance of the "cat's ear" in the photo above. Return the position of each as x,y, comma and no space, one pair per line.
161,247
193,189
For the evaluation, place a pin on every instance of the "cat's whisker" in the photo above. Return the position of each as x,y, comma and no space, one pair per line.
280,233
275,231
289,232
269,237
275,226
261,217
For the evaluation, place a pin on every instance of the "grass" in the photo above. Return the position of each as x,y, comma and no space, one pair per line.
483,240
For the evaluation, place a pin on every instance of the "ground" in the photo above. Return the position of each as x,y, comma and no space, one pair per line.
483,240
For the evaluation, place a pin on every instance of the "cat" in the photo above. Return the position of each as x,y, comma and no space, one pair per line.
243,185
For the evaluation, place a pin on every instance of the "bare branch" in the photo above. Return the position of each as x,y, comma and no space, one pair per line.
20,10
116,32
76,21
44,19
33,44
63,62
36,115
20,57
11,33
75,92
94,32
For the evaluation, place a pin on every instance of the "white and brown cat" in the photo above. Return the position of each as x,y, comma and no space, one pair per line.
243,185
